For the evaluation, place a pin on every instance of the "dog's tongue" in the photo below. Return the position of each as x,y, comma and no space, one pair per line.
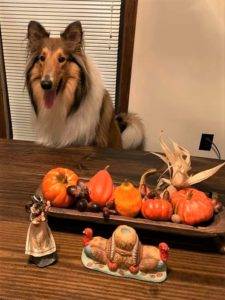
49,97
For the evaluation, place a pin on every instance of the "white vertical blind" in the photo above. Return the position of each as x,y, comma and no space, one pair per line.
100,20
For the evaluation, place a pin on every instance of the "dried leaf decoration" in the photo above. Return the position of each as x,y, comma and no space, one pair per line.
179,164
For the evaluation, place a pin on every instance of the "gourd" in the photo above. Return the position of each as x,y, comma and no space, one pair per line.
101,188
127,199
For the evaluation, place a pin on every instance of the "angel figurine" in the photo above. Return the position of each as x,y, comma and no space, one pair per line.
40,244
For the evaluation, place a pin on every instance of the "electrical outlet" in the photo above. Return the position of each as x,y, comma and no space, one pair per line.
206,141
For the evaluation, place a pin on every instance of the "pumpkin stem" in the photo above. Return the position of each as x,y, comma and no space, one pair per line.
62,178
126,182
106,168
166,195
143,177
189,195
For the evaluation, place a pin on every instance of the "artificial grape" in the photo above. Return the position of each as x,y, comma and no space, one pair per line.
106,213
72,190
77,191
82,205
84,188
175,218
110,204
218,207
81,183
93,207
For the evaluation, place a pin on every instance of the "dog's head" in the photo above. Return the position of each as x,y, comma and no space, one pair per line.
52,61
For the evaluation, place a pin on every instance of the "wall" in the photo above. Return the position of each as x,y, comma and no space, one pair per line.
178,71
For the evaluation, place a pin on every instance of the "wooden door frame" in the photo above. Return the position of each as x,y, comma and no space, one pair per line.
5,116
128,17
124,66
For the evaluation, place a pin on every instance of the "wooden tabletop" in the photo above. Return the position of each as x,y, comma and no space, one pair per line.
196,271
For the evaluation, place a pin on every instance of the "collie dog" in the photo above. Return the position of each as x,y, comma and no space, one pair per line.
70,101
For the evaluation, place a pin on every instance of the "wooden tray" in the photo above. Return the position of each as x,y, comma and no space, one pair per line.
216,228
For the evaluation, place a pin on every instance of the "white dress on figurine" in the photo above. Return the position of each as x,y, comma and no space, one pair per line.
40,241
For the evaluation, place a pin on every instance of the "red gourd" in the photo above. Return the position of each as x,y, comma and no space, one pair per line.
157,208
192,206
101,188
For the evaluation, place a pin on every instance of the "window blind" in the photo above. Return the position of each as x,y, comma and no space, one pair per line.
100,21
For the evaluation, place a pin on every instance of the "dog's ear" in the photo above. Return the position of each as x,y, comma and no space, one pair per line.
73,34
35,34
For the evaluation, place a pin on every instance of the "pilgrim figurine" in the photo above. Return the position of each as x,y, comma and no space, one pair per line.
124,255
40,244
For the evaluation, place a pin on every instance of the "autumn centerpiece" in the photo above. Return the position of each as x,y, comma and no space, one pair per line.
190,205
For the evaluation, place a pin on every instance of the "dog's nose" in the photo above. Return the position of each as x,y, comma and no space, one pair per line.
46,84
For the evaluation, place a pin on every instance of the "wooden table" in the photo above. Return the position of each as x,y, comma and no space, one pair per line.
195,271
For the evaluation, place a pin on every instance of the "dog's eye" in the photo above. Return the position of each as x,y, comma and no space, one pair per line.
42,58
61,59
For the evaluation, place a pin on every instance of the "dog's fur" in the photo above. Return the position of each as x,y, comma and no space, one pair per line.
77,109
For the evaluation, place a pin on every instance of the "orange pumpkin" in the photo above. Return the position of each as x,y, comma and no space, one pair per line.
157,208
192,205
101,188
54,185
127,199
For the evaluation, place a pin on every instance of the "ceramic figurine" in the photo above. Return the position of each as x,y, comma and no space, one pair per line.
40,244
124,255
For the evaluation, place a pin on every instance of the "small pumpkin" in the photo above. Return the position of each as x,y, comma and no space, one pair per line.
127,199
54,186
101,188
157,208
192,205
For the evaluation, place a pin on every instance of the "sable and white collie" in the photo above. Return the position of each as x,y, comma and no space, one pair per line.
69,98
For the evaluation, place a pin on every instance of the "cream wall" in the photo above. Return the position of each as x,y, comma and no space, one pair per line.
178,71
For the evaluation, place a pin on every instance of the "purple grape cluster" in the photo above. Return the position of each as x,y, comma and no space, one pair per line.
80,195
81,199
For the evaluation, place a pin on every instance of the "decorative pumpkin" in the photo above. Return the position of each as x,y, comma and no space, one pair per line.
101,188
127,199
54,186
192,205
157,208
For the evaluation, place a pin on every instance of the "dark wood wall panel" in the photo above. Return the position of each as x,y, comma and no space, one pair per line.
125,53
5,118
2,116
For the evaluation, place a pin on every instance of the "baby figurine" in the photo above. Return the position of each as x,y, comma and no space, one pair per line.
40,244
